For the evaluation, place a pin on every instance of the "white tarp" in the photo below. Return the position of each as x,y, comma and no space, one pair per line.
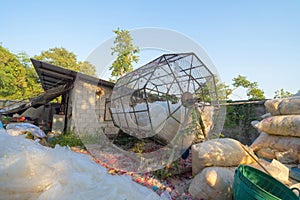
15,129
31,171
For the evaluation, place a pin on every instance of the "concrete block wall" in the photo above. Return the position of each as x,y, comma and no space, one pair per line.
87,110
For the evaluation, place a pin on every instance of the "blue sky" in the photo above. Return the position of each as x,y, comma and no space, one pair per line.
257,39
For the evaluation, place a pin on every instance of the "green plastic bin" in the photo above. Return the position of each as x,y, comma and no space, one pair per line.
251,183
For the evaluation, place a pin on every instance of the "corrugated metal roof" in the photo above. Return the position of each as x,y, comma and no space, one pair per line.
52,76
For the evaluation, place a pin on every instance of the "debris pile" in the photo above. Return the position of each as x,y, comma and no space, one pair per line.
214,162
280,131
275,150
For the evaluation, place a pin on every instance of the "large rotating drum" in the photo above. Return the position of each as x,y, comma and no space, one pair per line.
155,99
160,103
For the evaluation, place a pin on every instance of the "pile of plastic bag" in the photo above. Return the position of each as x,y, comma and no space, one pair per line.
29,170
223,152
214,162
280,132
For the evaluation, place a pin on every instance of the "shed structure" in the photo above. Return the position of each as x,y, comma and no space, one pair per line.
93,92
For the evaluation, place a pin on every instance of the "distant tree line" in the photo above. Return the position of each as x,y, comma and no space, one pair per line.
18,78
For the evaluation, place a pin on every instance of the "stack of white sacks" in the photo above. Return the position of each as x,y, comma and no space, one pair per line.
214,161
280,131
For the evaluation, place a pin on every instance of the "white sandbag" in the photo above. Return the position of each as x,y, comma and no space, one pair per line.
207,118
31,171
224,152
16,129
278,143
284,148
286,125
213,183
287,157
275,168
286,106
267,153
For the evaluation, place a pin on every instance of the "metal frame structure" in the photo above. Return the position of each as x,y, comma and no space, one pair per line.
176,80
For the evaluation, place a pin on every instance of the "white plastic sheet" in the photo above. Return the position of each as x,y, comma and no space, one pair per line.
20,128
31,171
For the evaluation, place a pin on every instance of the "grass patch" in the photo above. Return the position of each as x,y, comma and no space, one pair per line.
68,139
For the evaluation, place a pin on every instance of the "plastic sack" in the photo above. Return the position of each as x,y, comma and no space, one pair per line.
224,152
15,129
286,106
213,183
207,118
266,144
267,153
31,171
287,157
286,125
275,168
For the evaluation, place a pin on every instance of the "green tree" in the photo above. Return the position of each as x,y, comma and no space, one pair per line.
24,59
33,86
253,92
18,79
126,54
282,94
12,76
224,91
63,58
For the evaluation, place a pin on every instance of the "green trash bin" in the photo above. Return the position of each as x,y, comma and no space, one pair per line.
251,183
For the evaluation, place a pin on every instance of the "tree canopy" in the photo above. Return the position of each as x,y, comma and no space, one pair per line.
18,78
17,81
282,94
126,54
253,92
63,58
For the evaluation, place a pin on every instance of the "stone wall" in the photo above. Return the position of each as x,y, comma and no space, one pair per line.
238,118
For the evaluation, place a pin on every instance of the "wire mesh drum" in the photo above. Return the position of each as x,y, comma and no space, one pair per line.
155,98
